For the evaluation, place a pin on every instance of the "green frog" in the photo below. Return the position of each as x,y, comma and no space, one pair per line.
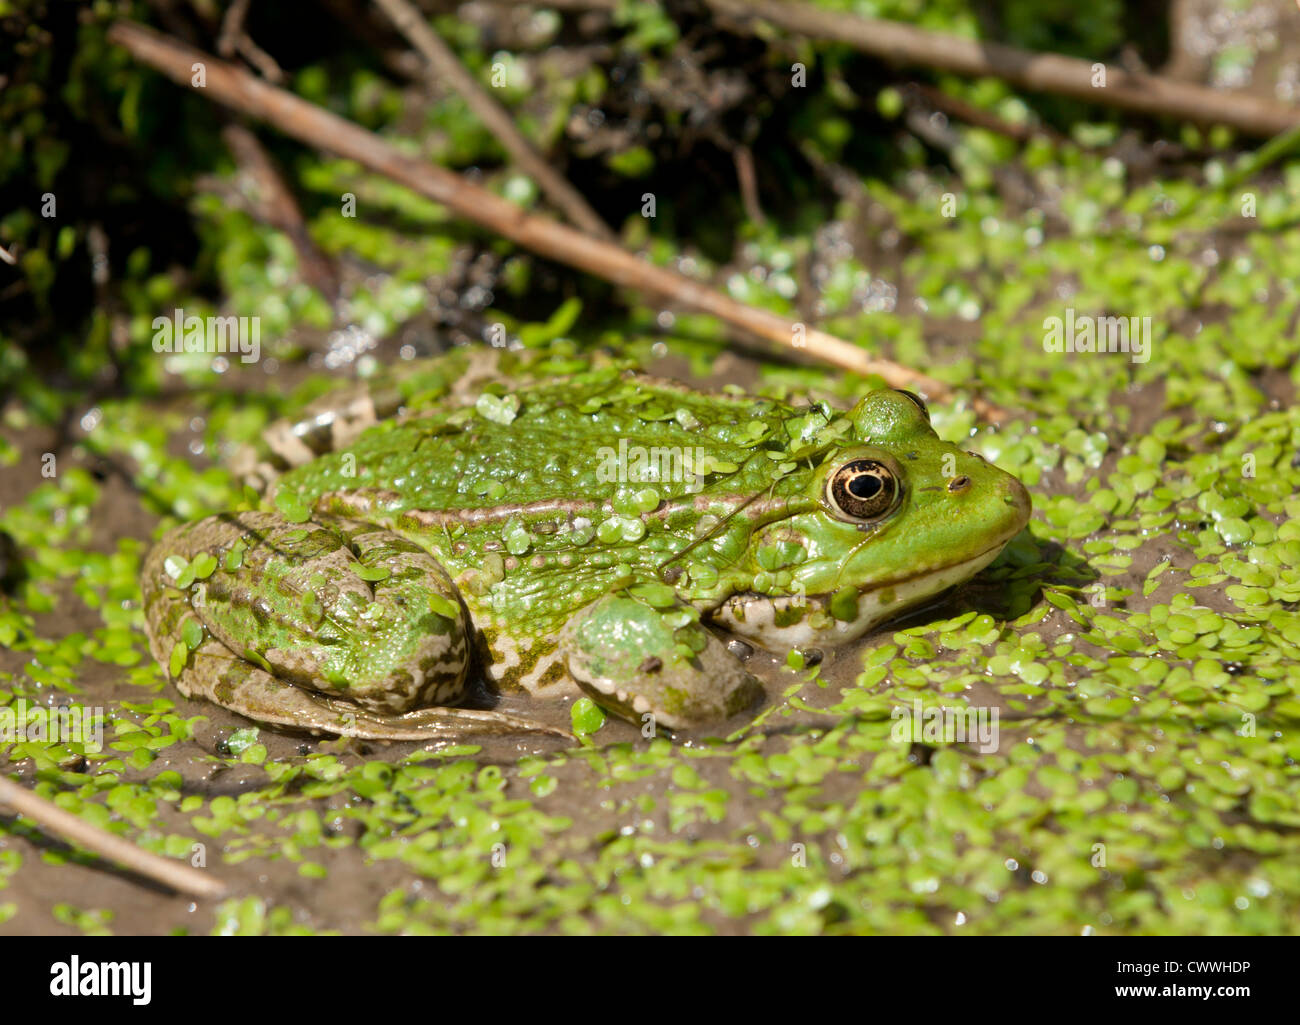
546,524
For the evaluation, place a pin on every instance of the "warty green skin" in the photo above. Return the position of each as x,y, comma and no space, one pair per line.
509,525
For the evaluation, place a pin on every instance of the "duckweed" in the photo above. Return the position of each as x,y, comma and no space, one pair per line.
1138,642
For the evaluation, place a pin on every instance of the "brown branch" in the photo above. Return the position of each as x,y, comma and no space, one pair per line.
444,63
402,62
175,875
959,109
748,181
317,127
234,39
1037,72
274,204
232,27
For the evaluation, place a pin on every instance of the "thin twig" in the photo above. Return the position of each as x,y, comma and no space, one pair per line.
73,829
7,256
748,181
355,19
273,203
952,107
443,63
260,59
234,39
1025,69
317,127
232,27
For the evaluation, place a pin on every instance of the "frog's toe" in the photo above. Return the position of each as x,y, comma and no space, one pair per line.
644,663
329,424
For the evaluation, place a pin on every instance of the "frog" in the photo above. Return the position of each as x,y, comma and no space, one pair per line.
475,527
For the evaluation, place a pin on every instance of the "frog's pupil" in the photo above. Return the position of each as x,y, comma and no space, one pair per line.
865,486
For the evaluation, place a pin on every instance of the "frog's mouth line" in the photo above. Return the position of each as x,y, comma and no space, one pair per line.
758,612
988,555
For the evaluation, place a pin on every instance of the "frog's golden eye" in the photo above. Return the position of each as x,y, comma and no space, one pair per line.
920,403
863,490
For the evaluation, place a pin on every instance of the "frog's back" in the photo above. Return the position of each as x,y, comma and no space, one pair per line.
574,442
539,497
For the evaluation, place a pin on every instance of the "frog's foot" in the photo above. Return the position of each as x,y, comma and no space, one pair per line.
645,663
329,424
330,625
335,420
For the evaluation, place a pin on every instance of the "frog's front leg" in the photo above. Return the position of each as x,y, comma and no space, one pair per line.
332,625
641,661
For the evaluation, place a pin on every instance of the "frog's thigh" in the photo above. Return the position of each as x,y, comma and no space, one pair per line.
330,605
400,664
630,660
212,672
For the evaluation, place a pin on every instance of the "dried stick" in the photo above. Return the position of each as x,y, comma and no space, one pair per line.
274,204
952,107
234,39
444,63
748,181
318,127
232,27
1039,72
175,875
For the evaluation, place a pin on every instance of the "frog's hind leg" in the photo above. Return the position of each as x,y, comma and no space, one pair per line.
214,673
282,619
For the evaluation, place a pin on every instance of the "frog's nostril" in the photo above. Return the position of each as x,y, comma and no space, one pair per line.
958,484
1018,501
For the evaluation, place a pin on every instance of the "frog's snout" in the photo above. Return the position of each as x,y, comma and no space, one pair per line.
1018,504
994,505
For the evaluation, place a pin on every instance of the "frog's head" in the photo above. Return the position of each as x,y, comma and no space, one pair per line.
888,519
